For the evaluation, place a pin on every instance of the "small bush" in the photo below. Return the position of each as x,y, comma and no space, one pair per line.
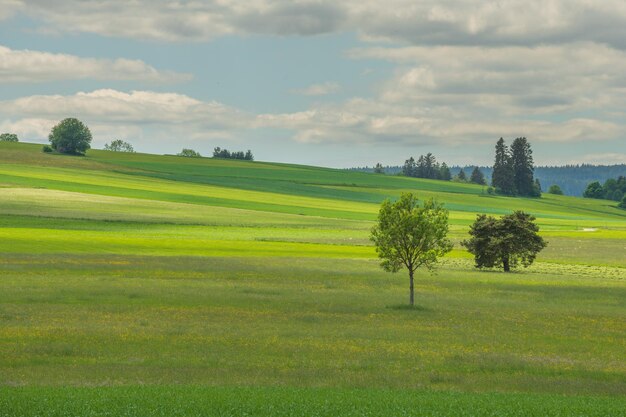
555,189
47,149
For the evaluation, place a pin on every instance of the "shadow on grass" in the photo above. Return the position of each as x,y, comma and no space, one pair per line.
408,307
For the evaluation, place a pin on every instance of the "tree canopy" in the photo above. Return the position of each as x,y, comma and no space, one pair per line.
555,189
613,189
477,177
506,242
119,146
189,153
411,236
225,153
8,137
426,167
513,169
70,136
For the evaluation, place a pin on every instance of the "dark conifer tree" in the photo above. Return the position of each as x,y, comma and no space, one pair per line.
461,176
523,168
478,177
502,178
409,168
444,172
429,166
420,169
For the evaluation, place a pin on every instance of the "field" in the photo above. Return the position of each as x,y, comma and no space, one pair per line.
140,285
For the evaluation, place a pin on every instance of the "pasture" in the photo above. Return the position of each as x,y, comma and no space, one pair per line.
162,285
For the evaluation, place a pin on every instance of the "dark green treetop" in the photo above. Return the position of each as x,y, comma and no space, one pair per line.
506,242
8,137
70,136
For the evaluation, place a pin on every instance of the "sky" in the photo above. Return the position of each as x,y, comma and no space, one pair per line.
337,84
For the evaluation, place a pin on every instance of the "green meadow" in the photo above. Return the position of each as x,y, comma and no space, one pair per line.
145,285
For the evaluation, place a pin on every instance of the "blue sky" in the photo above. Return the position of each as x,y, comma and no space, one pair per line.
321,83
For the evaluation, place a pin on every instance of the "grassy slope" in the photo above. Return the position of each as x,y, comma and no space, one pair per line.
126,269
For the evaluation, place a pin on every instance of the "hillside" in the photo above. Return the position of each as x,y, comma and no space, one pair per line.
227,192
134,270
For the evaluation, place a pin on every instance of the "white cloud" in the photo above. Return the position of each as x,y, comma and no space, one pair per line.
430,22
165,117
318,89
174,119
35,66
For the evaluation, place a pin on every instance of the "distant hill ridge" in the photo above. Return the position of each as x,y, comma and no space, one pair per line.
572,179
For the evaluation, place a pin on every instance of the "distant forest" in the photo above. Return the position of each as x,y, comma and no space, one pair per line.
573,179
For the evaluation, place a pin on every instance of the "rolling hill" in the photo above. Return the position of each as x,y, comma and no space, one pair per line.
148,274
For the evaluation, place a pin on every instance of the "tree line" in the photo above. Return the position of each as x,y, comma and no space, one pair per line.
8,137
612,189
572,179
426,166
512,174
226,154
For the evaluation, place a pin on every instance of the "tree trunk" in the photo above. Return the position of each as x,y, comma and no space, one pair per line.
411,298
505,264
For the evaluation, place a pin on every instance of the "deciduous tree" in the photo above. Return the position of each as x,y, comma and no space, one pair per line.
119,146
70,136
411,236
190,153
8,137
506,242
555,189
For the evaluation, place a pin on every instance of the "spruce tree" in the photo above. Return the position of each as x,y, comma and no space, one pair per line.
409,168
503,176
429,166
477,177
420,170
444,172
523,169
461,176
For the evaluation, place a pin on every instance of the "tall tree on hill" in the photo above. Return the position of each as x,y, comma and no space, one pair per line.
444,172
70,136
478,177
8,137
430,164
420,167
523,168
503,176
409,168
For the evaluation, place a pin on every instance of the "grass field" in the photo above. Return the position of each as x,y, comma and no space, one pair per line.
135,284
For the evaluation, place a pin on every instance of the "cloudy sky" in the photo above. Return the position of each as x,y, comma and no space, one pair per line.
327,83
